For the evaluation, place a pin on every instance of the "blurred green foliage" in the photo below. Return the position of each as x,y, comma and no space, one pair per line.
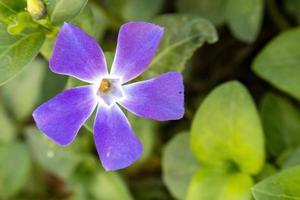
237,57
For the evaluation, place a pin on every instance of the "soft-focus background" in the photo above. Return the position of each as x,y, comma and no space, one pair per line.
239,138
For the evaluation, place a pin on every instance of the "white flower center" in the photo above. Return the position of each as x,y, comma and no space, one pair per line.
110,90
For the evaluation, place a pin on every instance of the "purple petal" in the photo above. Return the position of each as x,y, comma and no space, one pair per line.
161,98
77,54
116,144
61,117
137,43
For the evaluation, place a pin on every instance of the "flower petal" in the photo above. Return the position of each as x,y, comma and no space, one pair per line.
61,117
77,54
116,144
137,43
160,98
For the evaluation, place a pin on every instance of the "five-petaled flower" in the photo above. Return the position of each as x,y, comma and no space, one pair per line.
77,54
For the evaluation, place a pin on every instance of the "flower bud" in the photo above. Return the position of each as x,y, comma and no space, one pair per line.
36,8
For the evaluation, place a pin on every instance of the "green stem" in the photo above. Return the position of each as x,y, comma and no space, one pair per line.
7,7
44,26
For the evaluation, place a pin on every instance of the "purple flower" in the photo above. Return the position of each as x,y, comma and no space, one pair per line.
77,54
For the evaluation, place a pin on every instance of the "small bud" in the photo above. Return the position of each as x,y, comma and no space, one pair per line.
36,8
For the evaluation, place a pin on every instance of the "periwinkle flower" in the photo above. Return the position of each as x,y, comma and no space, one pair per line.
77,54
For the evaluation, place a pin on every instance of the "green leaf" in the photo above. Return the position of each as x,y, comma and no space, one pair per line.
111,185
132,9
8,129
64,10
22,94
183,35
209,184
16,52
61,161
179,165
281,124
90,182
52,85
226,128
244,18
211,10
92,20
79,192
282,186
279,63
15,168
293,159
267,170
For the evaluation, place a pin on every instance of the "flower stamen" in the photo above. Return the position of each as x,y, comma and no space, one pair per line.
110,90
105,86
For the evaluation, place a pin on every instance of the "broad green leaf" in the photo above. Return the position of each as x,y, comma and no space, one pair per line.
267,170
183,35
79,192
8,129
179,165
61,161
22,93
134,10
16,52
85,21
211,10
81,179
64,10
279,62
52,85
244,18
293,159
15,168
109,185
282,186
226,128
141,9
92,20
281,122
209,184
90,182
115,7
